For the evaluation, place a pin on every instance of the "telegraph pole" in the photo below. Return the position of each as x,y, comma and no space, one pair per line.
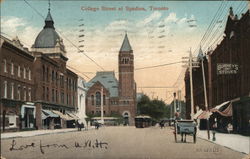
205,92
191,64
191,83
102,120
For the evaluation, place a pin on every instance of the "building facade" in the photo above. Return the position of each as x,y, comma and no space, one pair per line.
17,86
56,86
119,97
81,106
228,76
230,71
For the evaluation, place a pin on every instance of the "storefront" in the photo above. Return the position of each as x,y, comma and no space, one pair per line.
241,116
28,115
50,120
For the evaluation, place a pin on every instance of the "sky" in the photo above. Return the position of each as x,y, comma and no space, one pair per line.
158,36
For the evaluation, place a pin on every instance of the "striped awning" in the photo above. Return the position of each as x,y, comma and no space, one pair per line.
48,113
63,116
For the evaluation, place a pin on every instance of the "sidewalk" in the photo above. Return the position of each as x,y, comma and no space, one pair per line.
8,135
233,141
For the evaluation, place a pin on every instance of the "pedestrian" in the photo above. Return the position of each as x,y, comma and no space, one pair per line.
162,124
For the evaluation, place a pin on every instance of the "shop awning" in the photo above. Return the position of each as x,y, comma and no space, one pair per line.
73,116
198,114
63,116
204,115
48,113
226,112
219,106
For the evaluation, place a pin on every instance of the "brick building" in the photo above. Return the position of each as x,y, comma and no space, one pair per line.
234,85
56,86
119,96
17,86
228,74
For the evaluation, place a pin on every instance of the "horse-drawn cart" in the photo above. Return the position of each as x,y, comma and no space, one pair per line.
185,127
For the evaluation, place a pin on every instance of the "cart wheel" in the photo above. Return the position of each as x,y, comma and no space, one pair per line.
194,137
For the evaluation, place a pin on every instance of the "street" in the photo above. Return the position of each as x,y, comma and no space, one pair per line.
114,142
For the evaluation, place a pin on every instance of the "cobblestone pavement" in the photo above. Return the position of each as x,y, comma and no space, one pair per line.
114,143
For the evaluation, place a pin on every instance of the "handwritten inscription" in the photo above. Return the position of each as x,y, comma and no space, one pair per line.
86,144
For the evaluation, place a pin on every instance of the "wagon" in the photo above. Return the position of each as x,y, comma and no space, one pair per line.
185,127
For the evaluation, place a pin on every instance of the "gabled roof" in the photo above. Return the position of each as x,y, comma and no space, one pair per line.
108,80
125,45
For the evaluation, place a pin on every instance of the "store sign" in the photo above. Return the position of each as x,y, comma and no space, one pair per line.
226,68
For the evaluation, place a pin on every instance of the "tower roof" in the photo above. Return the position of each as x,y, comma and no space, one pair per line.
125,45
48,37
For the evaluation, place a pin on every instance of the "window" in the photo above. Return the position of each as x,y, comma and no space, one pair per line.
73,100
53,74
19,92
12,91
24,93
29,74
98,98
56,96
62,97
67,99
5,65
104,100
29,94
92,100
43,74
12,121
47,74
5,89
24,73
56,78
47,94
12,68
19,71
53,95
43,93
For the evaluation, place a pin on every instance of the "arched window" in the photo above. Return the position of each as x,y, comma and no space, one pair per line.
19,71
24,72
43,73
98,98
104,100
5,89
19,92
5,65
92,100
12,68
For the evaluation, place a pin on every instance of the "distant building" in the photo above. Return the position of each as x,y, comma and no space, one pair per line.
17,86
119,96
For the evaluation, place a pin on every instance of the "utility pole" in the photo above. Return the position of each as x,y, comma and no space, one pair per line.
191,64
205,91
102,120
174,103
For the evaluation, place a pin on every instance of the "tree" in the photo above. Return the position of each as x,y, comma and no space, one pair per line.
155,108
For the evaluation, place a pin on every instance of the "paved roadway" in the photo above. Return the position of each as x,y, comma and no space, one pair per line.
114,143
